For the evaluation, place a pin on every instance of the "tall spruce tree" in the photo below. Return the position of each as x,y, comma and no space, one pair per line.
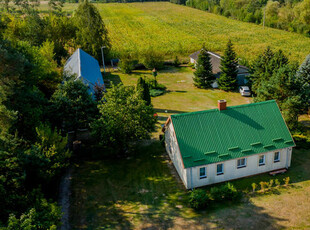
203,76
229,69
144,90
303,82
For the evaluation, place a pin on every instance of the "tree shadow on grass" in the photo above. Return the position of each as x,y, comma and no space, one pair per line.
140,192
111,78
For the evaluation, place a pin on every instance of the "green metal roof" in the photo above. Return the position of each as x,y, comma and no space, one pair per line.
211,136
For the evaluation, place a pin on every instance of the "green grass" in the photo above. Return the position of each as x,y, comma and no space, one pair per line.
178,30
141,192
181,95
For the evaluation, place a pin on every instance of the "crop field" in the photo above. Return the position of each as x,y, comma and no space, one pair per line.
178,30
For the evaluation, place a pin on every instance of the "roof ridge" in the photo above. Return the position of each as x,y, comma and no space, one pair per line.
229,107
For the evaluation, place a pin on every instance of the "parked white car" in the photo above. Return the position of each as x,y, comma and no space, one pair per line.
244,91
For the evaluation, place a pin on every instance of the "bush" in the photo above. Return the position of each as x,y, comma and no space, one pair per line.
156,92
286,181
154,85
176,61
226,192
127,64
302,141
152,59
254,186
199,199
277,182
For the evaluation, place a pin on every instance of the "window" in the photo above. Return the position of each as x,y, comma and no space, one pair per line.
219,169
202,173
276,157
261,160
241,163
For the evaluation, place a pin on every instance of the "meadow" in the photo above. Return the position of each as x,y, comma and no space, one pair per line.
178,30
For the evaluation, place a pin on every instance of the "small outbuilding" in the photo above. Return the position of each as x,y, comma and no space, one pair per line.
243,71
85,68
227,143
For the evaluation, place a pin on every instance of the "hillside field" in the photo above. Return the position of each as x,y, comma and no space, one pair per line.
178,30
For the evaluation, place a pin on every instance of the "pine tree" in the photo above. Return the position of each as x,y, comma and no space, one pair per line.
229,69
204,76
303,82
143,87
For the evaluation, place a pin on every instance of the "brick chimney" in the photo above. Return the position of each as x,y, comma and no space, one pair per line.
221,104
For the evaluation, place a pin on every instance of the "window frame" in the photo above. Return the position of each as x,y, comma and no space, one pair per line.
242,166
264,160
274,157
202,176
222,172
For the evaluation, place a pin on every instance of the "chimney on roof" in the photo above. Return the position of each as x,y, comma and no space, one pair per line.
221,104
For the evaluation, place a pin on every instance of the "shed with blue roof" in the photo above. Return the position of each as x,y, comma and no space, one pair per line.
85,67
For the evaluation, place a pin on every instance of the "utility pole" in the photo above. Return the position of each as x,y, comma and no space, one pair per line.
102,47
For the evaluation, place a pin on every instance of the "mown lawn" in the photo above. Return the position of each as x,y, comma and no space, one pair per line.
179,30
181,95
143,191
140,192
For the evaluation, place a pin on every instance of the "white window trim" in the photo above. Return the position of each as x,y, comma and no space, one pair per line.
202,177
222,172
242,166
278,160
264,162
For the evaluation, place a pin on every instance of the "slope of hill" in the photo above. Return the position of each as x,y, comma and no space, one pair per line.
179,30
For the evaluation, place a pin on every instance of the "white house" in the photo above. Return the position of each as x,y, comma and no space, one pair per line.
227,143
215,59
85,67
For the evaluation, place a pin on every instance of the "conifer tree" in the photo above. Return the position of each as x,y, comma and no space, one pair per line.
229,69
303,82
143,87
204,76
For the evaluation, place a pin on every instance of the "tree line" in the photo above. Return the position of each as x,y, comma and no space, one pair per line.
39,106
292,15
272,76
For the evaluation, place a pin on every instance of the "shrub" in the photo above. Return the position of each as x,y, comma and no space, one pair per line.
156,92
199,199
126,65
225,192
176,61
271,182
154,84
277,182
152,59
286,181
302,141
254,186
262,186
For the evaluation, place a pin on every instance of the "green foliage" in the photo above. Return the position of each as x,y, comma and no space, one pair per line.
303,81
91,32
156,92
254,186
274,78
72,106
47,157
124,118
127,63
176,61
226,192
44,215
199,199
229,69
143,89
263,186
286,181
277,183
151,59
203,76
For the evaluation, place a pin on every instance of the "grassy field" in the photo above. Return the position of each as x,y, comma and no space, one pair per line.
178,30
